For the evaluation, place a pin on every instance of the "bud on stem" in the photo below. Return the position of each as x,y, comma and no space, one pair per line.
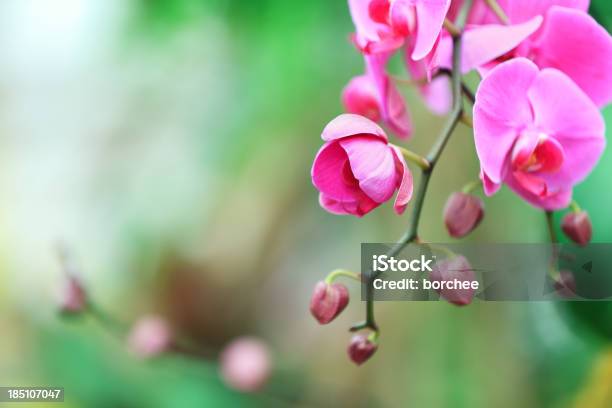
362,347
577,226
462,214
73,297
328,301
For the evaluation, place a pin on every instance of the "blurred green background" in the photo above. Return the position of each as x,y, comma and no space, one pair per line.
168,143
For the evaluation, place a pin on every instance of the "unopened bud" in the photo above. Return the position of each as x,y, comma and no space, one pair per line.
72,298
360,97
462,213
150,336
565,284
456,277
577,227
328,301
245,364
361,348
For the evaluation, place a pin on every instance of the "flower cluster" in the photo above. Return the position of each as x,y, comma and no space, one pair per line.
546,70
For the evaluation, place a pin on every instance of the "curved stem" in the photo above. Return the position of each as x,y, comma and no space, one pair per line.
450,27
574,206
436,151
471,186
467,120
335,274
498,11
414,158
467,92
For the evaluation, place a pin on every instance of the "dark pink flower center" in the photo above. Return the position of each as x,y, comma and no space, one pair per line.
347,174
535,153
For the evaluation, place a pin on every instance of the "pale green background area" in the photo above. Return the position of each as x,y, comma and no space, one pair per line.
168,143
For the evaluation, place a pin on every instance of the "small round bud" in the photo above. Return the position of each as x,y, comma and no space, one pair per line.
462,213
577,227
73,298
361,348
328,301
245,364
565,284
150,336
451,273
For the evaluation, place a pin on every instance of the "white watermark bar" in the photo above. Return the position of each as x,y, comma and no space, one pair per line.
31,394
487,272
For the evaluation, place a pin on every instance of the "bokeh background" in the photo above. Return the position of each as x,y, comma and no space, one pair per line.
168,145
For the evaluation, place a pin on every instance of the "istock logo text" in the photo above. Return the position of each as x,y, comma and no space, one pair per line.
382,263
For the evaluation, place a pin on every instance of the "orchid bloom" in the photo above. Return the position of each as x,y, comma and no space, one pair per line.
383,25
356,170
536,131
569,40
376,97
481,45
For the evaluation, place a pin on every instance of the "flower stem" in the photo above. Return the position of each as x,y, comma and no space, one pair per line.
468,93
467,120
107,321
414,158
471,186
551,227
419,198
553,269
333,275
451,28
498,11
574,206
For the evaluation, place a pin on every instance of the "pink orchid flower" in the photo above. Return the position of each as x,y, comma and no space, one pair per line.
376,97
481,45
569,40
536,131
356,170
383,25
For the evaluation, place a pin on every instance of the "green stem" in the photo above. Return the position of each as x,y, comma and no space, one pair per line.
498,11
335,274
553,269
471,186
107,321
551,227
432,158
468,93
414,158
575,207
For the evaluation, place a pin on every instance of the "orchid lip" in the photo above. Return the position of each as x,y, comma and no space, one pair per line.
536,151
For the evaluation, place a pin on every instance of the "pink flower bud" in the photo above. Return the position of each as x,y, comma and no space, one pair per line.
577,227
462,214
361,348
357,169
455,275
72,298
360,97
245,364
150,336
565,285
328,301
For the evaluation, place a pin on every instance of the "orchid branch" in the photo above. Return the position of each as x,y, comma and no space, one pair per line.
455,116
